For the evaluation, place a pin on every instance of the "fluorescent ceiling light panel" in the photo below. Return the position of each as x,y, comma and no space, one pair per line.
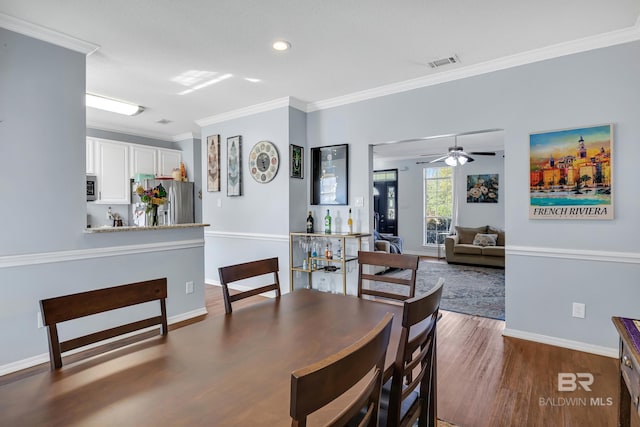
112,105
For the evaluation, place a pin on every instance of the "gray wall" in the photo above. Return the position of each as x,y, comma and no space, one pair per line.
551,263
43,249
256,224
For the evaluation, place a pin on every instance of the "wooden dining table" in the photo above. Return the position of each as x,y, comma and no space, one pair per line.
230,370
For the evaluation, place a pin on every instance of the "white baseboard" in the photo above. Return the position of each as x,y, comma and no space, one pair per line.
560,342
44,357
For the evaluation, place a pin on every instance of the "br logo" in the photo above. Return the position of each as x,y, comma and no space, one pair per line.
568,381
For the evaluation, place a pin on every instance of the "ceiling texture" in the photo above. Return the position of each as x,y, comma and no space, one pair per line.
152,51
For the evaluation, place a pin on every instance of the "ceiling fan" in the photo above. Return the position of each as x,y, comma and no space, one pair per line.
456,155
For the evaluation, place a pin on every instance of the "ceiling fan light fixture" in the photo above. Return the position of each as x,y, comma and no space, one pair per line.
462,160
112,105
451,161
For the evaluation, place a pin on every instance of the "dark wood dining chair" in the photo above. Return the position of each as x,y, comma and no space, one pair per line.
74,306
383,259
321,383
234,273
409,392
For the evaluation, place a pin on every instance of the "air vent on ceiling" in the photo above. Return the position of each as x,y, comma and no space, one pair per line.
444,61
164,121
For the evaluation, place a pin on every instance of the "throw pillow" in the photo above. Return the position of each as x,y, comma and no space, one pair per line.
493,230
467,234
485,239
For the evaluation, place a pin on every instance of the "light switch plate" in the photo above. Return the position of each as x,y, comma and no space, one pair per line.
578,310
359,202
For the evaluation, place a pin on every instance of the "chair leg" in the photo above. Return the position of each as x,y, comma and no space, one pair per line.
432,404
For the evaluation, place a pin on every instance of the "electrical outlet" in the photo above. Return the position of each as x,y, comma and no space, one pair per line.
40,322
578,310
189,287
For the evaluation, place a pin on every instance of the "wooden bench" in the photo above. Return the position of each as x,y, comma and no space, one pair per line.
69,307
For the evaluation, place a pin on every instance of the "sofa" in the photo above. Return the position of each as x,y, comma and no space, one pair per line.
476,245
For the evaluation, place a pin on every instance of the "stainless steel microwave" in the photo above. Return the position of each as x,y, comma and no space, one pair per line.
92,188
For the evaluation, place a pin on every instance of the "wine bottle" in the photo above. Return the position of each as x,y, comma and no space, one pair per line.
350,222
310,223
327,223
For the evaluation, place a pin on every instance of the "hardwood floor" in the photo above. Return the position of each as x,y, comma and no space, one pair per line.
487,380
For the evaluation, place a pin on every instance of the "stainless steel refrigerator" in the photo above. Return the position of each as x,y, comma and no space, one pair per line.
177,210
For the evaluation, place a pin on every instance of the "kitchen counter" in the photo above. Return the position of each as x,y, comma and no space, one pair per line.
108,229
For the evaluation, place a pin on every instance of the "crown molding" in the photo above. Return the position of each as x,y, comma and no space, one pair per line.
562,49
47,35
287,101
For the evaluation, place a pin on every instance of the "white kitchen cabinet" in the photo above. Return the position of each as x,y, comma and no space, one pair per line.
91,157
144,159
168,160
112,168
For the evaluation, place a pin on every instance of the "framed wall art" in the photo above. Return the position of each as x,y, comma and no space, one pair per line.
330,175
296,160
234,171
482,188
213,163
571,173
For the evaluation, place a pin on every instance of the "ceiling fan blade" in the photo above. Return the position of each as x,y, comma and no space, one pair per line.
483,153
439,159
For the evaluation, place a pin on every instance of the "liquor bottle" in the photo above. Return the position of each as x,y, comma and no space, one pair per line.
350,222
327,253
339,252
310,223
327,223
314,261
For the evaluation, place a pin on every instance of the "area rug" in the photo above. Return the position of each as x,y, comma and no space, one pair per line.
478,291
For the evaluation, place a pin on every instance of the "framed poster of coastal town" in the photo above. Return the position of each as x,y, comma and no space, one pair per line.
571,173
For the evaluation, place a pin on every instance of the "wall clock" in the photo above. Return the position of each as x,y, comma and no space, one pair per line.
264,161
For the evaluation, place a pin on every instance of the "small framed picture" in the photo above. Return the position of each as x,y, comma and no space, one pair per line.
296,161
213,163
234,160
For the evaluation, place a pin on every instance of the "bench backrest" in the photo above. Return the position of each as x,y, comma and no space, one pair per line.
74,306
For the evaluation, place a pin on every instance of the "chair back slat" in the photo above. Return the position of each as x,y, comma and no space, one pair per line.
415,364
74,306
383,259
321,383
246,270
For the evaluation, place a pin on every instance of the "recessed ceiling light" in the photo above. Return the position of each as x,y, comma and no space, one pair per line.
281,45
164,121
112,105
